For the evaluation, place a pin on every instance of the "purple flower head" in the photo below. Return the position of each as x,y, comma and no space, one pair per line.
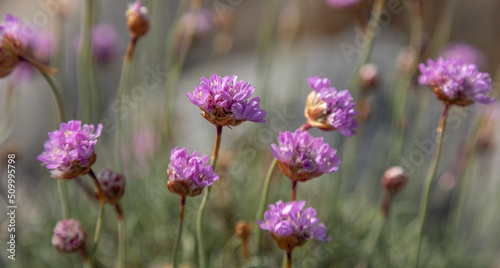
342,4
291,225
137,19
112,185
330,109
69,236
189,174
69,151
224,101
302,157
456,83
104,41
467,53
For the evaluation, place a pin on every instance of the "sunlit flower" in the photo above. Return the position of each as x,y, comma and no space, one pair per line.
69,151
330,109
69,236
302,157
189,174
224,101
291,225
456,83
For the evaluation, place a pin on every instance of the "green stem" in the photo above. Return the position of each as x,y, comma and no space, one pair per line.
443,29
121,236
371,32
85,258
179,231
424,202
262,205
199,219
119,97
85,76
98,224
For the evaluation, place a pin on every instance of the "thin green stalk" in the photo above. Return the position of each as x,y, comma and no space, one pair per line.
424,202
61,185
85,76
121,236
199,219
443,29
262,206
371,32
98,224
85,258
179,232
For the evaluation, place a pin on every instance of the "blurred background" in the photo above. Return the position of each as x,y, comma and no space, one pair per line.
274,45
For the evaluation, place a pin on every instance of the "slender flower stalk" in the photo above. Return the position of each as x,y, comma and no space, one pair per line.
121,236
199,219
424,201
98,224
364,57
179,231
289,258
85,68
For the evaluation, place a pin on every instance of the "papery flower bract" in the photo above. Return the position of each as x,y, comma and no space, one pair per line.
302,157
137,20
69,152
291,225
467,53
112,185
343,4
69,236
224,101
189,174
330,109
456,83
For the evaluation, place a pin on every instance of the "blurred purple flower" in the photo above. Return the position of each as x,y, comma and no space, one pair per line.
145,142
224,101
456,83
330,109
343,4
189,174
69,152
104,41
291,225
302,157
467,53
203,22
12,43
69,236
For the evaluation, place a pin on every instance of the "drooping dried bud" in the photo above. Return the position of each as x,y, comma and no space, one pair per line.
394,179
112,185
243,230
69,236
137,20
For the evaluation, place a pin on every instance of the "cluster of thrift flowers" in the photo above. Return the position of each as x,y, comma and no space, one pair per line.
69,151
330,109
454,82
291,225
189,174
224,101
69,236
302,157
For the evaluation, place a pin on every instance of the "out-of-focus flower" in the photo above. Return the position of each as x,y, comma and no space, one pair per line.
291,225
467,53
454,82
406,59
137,20
189,174
343,4
18,44
368,75
224,101
145,142
69,236
330,109
198,23
394,179
112,185
104,41
69,151
302,157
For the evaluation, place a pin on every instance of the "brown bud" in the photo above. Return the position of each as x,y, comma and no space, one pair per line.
137,20
112,185
394,179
